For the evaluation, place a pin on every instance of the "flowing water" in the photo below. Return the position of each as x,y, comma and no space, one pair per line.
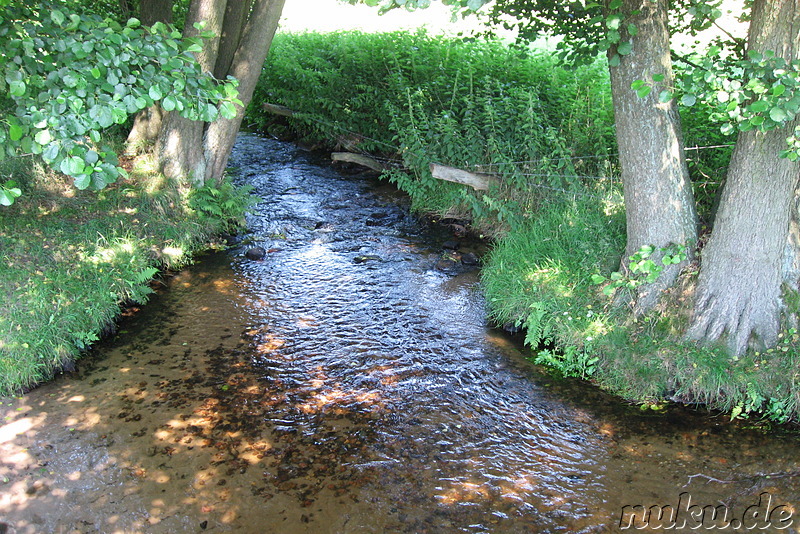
348,383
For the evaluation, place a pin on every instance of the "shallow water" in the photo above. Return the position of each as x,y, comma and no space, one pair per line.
347,383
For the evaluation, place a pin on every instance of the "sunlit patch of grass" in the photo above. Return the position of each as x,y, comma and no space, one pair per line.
69,261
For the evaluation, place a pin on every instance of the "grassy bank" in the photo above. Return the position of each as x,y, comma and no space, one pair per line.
545,136
71,259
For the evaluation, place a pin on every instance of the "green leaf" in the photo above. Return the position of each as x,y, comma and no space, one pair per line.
688,100
155,92
644,91
16,87
82,181
614,61
778,90
778,114
625,48
72,166
50,152
42,137
169,103
57,17
614,21
9,192
759,107
15,132
614,4
598,279
664,96
227,110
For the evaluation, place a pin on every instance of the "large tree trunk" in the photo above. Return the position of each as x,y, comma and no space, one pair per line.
659,203
245,67
198,150
180,143
147,123
752,251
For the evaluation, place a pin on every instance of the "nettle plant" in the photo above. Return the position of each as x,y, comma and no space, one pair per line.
642,268
65,78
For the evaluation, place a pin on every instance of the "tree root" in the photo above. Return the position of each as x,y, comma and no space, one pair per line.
743,315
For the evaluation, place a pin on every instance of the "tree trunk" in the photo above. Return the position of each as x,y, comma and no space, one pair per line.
180,142
753,248
236,14
256,39
147,123
659,203
198,150
152,11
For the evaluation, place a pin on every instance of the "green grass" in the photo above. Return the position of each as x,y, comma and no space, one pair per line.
70,259
539,277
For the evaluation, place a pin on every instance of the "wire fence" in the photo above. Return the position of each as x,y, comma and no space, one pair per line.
487,167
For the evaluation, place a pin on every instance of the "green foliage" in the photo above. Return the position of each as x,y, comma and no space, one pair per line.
760,92
485,107
222,202
572,362
66,78
642,268
537,277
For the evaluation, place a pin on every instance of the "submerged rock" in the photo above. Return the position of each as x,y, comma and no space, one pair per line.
470,258
365,258
255,253
446,265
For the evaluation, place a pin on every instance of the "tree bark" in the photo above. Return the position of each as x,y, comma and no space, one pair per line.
754,247
256,38
147,123
659,202
180,143
152,11
198,150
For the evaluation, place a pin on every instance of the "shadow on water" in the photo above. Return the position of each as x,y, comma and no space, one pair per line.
345,384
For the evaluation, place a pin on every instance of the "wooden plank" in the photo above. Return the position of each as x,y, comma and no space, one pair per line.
358,159
277,109
479,182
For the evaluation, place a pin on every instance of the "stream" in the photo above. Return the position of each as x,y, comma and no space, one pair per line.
348,383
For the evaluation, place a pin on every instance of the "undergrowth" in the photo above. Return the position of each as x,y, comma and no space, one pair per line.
72,258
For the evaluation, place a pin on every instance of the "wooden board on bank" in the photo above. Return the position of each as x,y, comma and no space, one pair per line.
358,159
479,182
277,109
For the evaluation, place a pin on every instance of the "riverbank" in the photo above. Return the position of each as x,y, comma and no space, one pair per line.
72,260
539,140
